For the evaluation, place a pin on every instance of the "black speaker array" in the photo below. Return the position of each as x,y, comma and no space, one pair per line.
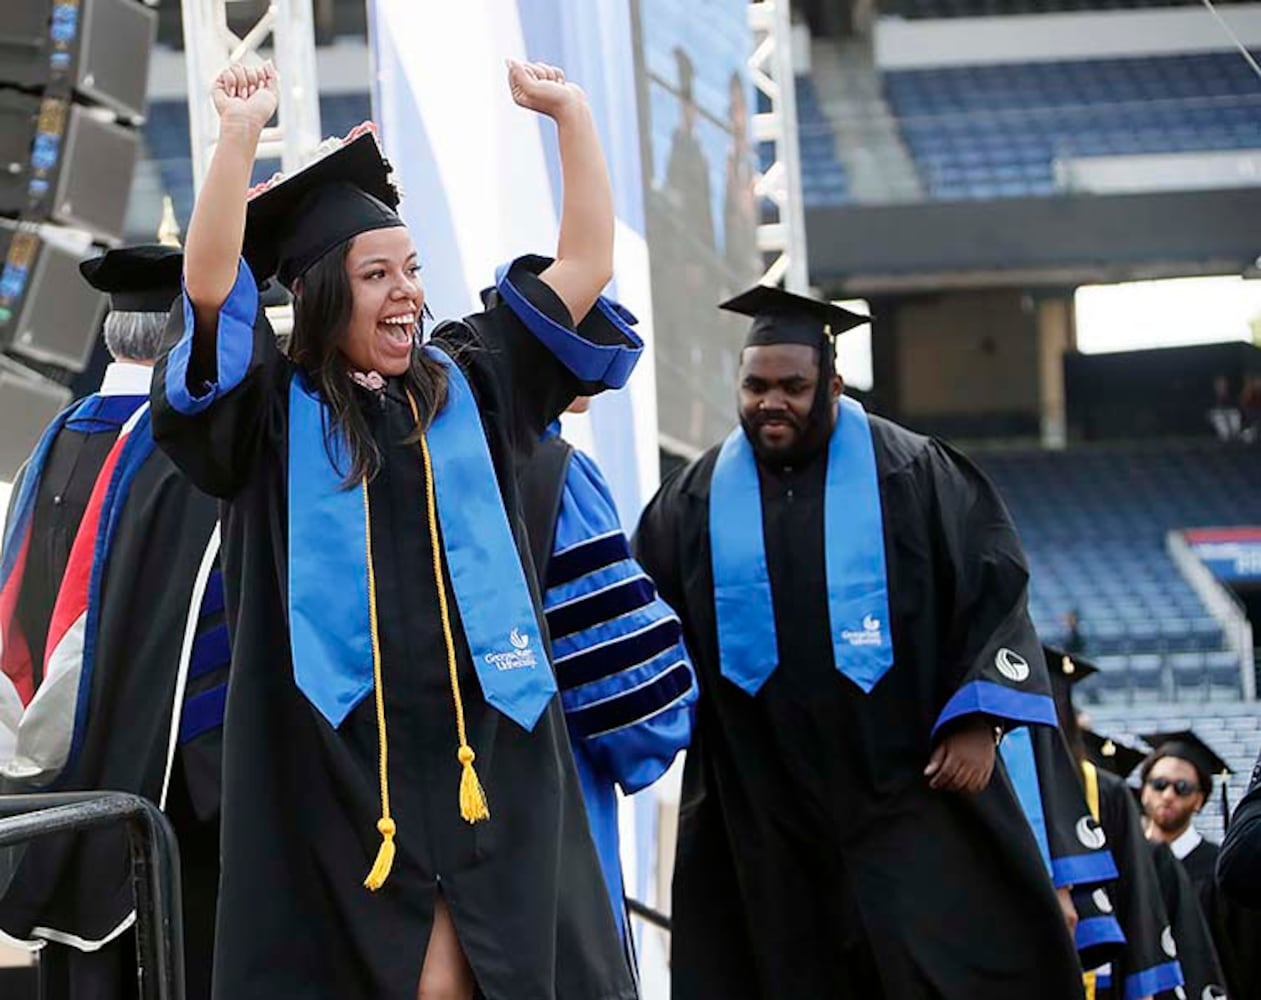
73,79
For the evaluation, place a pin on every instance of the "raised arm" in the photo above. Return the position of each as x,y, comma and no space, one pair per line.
245,100
584,251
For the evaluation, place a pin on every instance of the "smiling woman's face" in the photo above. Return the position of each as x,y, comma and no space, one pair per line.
387,301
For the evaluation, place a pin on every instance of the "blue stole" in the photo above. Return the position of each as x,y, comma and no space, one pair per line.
330,636
853,538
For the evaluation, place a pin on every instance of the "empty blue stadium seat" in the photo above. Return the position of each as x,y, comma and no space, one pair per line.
996,117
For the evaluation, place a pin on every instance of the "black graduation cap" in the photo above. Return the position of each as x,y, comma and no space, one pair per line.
780,317
296,221
144,278
1119,758
1067,666
1187,746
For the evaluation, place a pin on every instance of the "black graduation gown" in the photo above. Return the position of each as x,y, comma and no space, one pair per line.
154,588
1239,861
1196,954
1149,947
1236,930
300,798
813,859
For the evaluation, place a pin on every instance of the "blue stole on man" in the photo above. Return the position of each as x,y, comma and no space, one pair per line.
853,538
329,626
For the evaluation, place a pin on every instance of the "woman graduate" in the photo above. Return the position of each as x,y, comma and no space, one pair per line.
401,814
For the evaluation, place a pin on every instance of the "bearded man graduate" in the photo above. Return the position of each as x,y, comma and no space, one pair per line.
133,677
853,597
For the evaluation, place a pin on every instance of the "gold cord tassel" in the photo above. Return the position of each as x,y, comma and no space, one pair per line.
385,855
472,799
473,805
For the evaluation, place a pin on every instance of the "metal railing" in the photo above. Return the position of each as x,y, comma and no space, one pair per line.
647,914
154,864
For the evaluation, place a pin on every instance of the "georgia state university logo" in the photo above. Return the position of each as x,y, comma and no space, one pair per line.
1102,903
1012,665
520,657
1090,833
1167,943
1213,992
871,635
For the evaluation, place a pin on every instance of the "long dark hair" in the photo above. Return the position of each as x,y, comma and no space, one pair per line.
321,314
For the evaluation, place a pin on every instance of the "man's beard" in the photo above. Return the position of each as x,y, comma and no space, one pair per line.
811,437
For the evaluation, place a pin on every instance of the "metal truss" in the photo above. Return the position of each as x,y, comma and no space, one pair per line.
209,45
771,70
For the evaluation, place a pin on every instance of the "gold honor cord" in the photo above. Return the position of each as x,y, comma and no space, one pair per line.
1090,778
473,806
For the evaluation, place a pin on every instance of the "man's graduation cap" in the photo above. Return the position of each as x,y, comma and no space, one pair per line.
780,317
295,221
144,278
1119,758
1186,745
1066,666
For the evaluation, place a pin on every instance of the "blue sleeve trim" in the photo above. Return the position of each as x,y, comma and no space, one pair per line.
203,712
234,346
1154,980
609,365
628,708
1083,869
586,557
602,606
212,601
211,651
988,698
1094,931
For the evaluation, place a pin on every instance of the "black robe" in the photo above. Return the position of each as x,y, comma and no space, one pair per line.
813,859
1197,956
300,798
1147,958
158,583
1236,929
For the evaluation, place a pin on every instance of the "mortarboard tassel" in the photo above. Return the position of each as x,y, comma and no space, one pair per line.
473,804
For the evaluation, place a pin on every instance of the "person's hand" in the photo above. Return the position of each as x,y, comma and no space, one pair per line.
964,760
247,95
1065,896
542,88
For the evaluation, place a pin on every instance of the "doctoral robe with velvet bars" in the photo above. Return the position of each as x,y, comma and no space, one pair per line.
813,859
623,673
301,794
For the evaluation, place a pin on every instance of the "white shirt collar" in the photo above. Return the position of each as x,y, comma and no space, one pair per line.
125,378
1188,841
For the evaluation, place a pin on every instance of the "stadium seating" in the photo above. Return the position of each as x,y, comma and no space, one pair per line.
1234,731
1094,523
994,131
823,179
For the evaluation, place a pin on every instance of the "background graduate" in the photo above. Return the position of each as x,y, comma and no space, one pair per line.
854,599
1177,784
1239,861
142,612
401,809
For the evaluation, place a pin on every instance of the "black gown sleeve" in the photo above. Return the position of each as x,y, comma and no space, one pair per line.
1239,863
1149,959
992,662
527,359
1080,855
212,399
